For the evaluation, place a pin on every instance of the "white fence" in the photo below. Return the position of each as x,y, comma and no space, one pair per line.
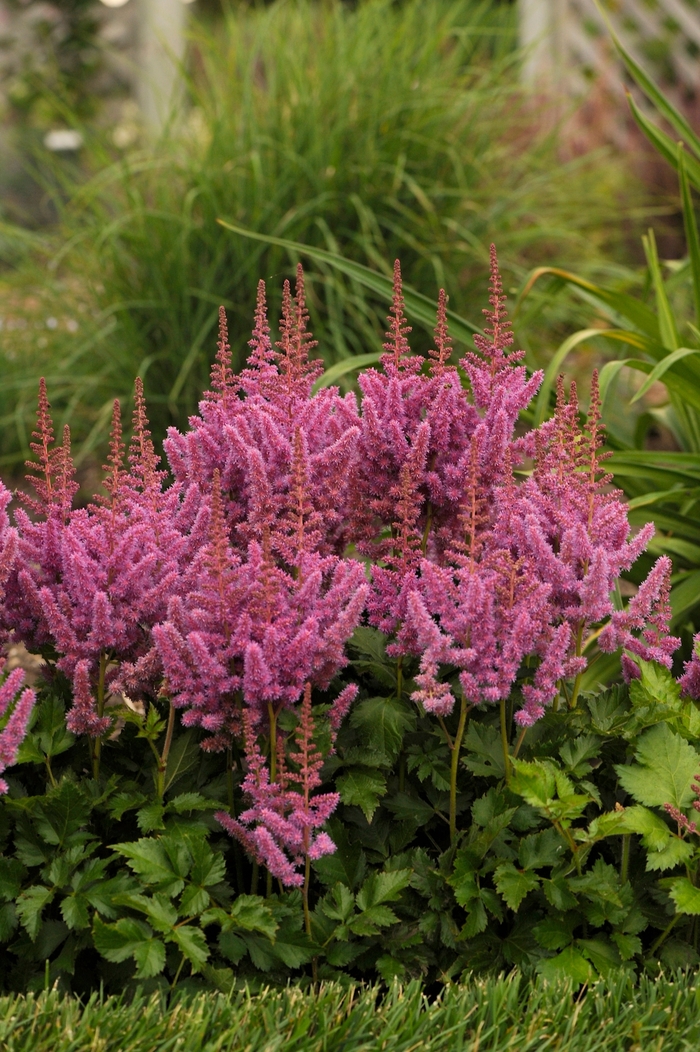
567,41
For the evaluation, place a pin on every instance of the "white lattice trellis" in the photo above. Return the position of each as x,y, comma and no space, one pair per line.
567,41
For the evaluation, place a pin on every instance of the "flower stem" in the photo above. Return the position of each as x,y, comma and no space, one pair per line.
625,862
97,748
521,738
577,681
504,741
664,934
454,766
163,762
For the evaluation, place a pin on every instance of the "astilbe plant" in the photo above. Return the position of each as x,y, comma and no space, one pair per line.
500,580
228,592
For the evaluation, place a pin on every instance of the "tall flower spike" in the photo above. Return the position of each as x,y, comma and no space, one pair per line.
66,486
295,341
222,378
142,455
43,473
261,375
499,335
440,355
397,347
115,474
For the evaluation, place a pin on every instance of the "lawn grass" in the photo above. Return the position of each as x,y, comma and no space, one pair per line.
488,1015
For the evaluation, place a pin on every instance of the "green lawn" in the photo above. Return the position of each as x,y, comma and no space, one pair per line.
491,1015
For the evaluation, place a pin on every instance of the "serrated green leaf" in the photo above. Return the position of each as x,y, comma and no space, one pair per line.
372,920
48,736
12,873
348,862
193,901
559,894
686,896
362,788
292,948
192,943
232,947
74,910
602,954
250,913
339,904
628,946
483,751
383,722
150,860
540,849
30,906
117,942
8,921
150,958
535,782
192,802
556,932
476,921
150,817
61,813
514,884
666,765
569,964
383,887
129,800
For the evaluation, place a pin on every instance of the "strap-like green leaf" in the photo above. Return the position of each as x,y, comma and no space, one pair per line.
347,365
419,307
691,229
667,322
553,368
662,367
664,144
613,303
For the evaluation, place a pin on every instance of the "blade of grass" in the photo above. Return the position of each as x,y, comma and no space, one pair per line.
691,230
664,144
667,322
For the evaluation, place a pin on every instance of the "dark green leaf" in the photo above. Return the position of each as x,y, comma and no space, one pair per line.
514,884
362,788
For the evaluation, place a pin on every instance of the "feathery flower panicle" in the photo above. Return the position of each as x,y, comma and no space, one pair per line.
282,827
250,437
91,582
15,725
648,613
690,680
223,381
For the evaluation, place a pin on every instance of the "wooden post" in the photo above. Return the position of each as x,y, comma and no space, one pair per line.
161,50
542,36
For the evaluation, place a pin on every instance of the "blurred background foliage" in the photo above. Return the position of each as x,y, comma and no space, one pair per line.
374,130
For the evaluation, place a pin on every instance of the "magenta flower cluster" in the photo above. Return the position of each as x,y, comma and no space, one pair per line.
227,589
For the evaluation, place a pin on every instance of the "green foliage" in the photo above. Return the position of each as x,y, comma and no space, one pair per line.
283,133
656,334
574,858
